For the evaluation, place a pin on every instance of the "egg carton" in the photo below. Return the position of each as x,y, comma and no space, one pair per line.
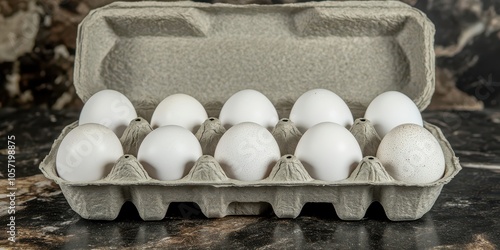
357,49
286,189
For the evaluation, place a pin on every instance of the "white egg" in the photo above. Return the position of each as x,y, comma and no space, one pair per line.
169,152
179,109
249,106
109,108
87,153
411,154
320,105
390,109
328,151
247,152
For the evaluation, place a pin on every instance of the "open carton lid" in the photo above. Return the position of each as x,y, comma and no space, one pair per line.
357,49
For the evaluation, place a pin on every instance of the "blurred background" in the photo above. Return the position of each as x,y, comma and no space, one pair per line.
37,47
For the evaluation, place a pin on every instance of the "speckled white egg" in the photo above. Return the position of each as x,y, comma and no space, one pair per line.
317,106
328,151
179,109
390,109
248,106
411,154
247,152
87,153
169,152
109,108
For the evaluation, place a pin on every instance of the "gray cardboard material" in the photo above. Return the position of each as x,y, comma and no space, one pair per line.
149,50
358,49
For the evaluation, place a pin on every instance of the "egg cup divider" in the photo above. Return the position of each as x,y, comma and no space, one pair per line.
286,189
111,46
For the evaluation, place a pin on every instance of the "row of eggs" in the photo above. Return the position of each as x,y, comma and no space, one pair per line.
386,111
247,151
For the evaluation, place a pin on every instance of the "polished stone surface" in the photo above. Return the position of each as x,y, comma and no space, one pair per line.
466,215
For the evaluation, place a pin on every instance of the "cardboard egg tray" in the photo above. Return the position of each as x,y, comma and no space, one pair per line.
357,49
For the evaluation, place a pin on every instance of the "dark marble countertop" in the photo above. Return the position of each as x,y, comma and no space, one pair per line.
465,216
